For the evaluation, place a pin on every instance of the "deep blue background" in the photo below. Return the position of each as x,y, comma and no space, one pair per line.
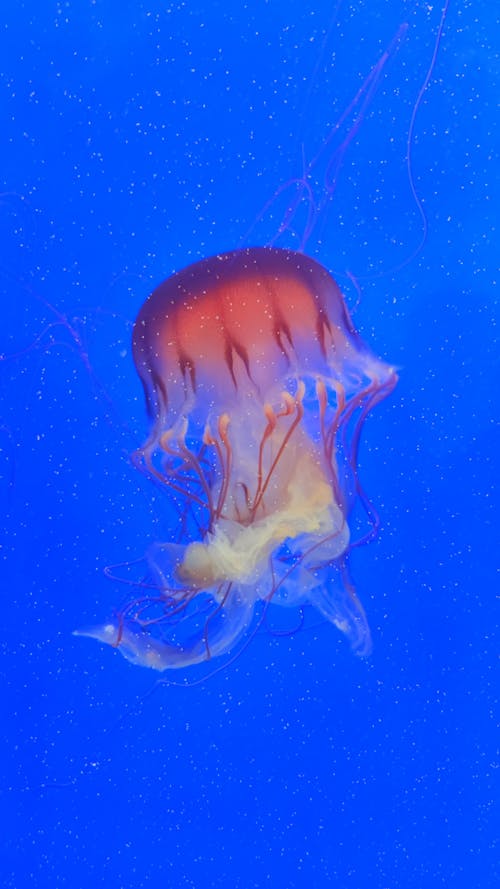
136,138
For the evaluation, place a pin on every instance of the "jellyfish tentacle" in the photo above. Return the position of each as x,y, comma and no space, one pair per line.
291,406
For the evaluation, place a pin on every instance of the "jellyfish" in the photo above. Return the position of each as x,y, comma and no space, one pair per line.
257,386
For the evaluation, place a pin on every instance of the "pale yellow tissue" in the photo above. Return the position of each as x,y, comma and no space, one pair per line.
239,553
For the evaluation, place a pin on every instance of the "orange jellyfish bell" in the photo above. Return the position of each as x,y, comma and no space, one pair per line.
257,385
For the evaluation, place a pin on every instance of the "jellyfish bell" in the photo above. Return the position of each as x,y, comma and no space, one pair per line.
257,385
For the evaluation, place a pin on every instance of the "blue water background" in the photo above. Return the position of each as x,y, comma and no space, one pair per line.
137,138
